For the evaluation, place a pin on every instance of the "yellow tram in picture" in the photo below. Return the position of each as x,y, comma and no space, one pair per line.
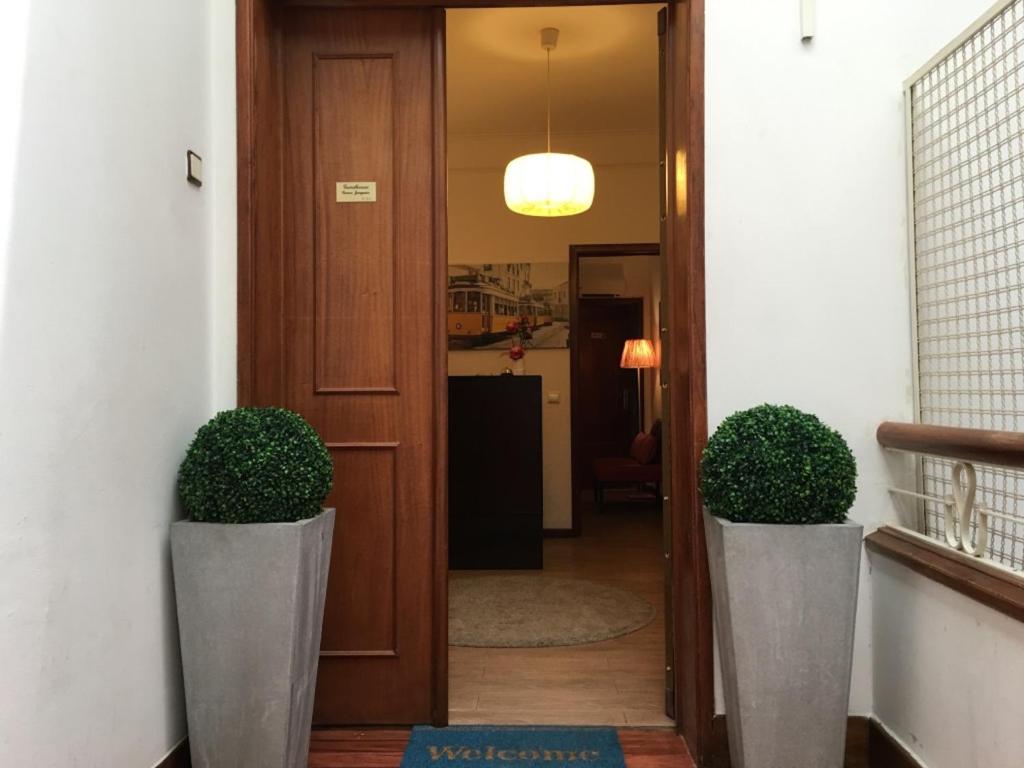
479,309
537,313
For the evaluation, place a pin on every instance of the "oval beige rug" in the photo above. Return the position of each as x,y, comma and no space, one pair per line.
528,611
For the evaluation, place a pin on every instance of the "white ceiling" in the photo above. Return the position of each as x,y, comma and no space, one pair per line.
604,72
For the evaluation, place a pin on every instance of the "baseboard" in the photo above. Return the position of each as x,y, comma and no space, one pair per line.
858,739
868,745
886,751
178,757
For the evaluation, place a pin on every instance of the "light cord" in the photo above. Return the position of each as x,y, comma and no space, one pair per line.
549,100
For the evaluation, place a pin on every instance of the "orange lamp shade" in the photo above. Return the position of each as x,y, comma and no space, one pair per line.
638,353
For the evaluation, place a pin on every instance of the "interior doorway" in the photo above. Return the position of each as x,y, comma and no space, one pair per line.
615,296
608,409
557,603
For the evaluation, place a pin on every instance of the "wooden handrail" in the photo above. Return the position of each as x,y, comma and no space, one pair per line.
985,446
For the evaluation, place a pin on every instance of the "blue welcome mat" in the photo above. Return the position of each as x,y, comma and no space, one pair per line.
513,747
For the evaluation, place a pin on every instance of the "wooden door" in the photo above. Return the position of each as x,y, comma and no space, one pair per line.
346,321
608,402
667,518
683,371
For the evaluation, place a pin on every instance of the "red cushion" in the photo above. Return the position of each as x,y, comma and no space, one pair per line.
644,448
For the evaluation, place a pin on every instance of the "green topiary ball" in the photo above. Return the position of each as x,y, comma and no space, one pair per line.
255,465
776,464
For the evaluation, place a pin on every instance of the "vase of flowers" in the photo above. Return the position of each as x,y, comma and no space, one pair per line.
521,335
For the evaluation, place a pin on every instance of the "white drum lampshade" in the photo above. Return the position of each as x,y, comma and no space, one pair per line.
549,184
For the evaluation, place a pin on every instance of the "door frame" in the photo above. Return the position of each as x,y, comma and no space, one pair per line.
257,35
576,252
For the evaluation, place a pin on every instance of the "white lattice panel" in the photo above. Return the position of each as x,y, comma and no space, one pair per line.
967,183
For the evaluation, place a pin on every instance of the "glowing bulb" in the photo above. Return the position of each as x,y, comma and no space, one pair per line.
549,184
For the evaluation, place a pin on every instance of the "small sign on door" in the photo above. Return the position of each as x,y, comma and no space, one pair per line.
356,192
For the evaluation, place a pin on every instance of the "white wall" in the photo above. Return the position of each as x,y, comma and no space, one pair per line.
481,229
106,276
221,187
806,254
625,206
948,672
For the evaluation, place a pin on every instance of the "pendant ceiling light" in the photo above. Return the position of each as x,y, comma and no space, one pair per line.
549,183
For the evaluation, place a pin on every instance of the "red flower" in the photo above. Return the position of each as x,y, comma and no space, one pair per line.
516,352
511,326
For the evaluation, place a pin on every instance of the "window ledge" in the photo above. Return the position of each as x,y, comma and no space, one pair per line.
977,579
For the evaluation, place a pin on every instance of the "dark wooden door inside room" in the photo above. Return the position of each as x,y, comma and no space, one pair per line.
607,400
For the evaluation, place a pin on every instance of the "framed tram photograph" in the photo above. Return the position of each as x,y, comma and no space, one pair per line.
489,303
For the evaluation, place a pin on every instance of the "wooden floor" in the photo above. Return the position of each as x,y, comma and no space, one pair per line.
615,682
384,748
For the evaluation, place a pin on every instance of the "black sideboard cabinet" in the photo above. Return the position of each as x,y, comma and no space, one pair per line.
495,473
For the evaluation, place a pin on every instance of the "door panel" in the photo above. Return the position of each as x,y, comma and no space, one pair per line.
360,614
666,404
354,141
344,334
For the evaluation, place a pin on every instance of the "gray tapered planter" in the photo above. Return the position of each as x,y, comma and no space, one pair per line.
250,609
785,600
